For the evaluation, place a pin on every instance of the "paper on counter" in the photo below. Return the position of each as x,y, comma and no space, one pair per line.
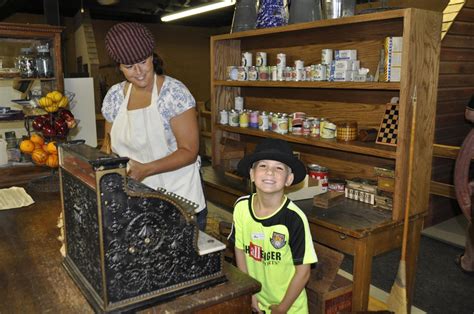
14,197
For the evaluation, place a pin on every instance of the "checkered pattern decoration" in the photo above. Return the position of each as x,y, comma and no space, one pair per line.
388,131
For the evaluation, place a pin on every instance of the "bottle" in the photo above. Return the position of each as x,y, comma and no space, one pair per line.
44,63
13,152
3,152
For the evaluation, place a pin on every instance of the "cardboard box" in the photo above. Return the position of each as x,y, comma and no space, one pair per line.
337,299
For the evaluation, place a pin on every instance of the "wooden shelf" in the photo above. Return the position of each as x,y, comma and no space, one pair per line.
18,78
307,84
206,134
363,148
205,113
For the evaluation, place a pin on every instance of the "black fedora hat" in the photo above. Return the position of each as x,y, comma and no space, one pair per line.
273,149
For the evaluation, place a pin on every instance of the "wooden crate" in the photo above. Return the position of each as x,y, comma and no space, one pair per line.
337,299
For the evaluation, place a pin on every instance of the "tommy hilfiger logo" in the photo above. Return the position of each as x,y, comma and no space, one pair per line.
278,240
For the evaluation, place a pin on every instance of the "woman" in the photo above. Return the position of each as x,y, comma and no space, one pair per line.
151,118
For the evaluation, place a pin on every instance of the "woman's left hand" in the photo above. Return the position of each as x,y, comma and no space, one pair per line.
137,170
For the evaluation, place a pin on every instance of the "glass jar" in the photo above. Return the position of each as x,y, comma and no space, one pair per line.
26,63
44,63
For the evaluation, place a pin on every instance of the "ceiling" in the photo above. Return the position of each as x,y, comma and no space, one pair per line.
146,11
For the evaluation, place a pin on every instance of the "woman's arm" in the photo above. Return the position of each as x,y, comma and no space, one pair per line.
297,284
186,131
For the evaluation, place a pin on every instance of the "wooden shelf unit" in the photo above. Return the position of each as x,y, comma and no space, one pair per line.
360,101
363,102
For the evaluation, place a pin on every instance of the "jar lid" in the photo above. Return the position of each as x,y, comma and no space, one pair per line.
26,50
42,48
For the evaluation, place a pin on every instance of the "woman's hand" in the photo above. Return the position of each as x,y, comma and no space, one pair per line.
137,170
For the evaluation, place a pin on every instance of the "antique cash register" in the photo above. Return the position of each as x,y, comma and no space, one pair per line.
128,246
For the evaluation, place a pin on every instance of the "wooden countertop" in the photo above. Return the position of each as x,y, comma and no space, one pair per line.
32,279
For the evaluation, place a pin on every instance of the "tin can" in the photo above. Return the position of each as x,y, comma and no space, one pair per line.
326,56
273,73
223,117
232,73
253,74
322,121
319,72
253,121
282,124
244,119
233,118
315,131
239,103
263,74
308,73
242,73
287,73
281,60
246,59
280,74
261,59
274,120
306,129
263,121
337,185
329,130
319,173
296,130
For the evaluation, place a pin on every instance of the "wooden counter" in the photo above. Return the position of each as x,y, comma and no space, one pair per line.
33,280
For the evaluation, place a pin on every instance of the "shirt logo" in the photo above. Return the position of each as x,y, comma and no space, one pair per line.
278,240
258,236
255,252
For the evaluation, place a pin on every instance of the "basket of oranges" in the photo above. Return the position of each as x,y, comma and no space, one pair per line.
42,153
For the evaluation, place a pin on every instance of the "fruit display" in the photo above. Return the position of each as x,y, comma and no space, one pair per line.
42,153
57,122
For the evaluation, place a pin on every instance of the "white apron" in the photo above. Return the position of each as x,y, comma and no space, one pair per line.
140,135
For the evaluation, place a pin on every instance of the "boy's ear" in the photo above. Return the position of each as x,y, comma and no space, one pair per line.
251,174
289,179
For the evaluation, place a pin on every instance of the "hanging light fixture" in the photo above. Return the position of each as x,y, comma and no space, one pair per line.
82,6
197,10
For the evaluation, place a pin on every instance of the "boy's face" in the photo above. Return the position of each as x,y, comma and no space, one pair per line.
271,176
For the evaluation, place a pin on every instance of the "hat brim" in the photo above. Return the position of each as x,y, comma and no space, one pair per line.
297,167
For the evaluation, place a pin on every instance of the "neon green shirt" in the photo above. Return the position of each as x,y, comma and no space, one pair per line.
272,246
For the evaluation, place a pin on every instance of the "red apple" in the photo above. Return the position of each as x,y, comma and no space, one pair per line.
62,131
48,130
66,115
38,123
59,123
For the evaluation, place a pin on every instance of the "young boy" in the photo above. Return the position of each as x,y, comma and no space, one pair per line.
271,234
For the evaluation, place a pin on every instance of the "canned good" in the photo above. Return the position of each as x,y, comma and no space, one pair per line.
318,72
329,130
296,130
253,121
274,120
253,74
263,73
233,118
287,73
273,73
263,121
347,130
280,76
282,122
322,121
246,59
261,59
242,73
306,129
319,173
244,119
281,60
308,70
337,185
314,132
224,117
326,56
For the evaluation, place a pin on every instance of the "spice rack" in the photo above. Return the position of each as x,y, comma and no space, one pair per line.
355,229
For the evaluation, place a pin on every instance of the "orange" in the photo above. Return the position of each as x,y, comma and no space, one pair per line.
27,146
36,138
52,161
39,156
38,146
51,148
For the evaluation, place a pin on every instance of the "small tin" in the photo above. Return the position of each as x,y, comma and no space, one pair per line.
246,59
347,130
242,73
322,121
263,121
253,120
307,126
314,132
320,173
223,117
282,124
308,73
296,130
239,103
329,130
244,119
261,59
326,56
337,185
280,74
233,118
253,74
263,74
273,73
287,74
318,72
281,60
232,73
274,120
